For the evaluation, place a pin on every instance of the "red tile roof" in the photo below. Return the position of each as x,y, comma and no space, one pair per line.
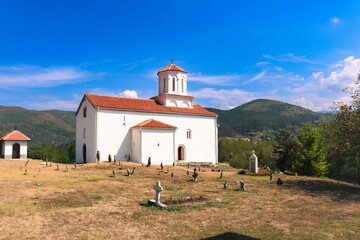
15,136
171,67
141,105
151,123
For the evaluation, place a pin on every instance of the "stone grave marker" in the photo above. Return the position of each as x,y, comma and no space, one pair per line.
132,172
187,173
242,185
39,169
27,163
25,172
57,166
279,182
253,163
172,174
149,162
161,166
221,174
195,175
225,184
109,158
67,167
114,159
158,189
128,172
114,173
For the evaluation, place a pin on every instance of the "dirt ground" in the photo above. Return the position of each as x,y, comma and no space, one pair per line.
89,203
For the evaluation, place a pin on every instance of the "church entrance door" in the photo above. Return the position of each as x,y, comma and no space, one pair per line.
84,153
16,151
181,153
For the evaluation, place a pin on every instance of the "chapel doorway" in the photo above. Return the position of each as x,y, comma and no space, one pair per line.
16,150
181,153
84,153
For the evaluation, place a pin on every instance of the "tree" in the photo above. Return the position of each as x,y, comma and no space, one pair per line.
342,132
287,149
311,157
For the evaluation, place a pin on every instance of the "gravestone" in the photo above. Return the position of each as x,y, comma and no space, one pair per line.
199,168
109,158
133,171
168,170
242,185
25,172
172,175
279,182
57,166
253,163
173,164
27,162
195,175
114,173
75,165
129,157
187,173
225,184
128,172
161,166
149,162
114,159
221,174
39,169
159,173
158,189
67,167
188,165
98,155
270,176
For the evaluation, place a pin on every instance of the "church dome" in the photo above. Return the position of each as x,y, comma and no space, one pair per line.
172,67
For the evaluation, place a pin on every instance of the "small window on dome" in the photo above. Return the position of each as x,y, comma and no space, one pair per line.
164,85
182,85
174,84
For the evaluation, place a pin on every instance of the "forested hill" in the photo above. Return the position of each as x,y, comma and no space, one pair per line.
52,126
256,118
262,117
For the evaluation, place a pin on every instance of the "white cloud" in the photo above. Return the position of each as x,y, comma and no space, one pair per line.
34,76
215,79
344,73
225,99
257,77
129,94
260,64
53,104
334,20
318,75
290,57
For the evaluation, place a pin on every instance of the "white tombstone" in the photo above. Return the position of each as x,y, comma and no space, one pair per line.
158,188
253,163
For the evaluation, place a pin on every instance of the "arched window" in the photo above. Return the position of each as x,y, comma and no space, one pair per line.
84,133
84,112
182,85
181,153
16,150
164,85
188,134
174,84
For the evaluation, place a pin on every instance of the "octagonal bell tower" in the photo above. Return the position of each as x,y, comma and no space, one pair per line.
173,87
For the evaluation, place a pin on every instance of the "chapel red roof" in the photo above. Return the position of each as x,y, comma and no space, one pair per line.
151,123
141,105
171,67
15,136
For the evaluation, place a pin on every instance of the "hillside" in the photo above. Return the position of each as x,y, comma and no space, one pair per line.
262,117
52,126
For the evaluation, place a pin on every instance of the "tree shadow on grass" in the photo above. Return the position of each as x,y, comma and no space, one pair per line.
321,187
230,236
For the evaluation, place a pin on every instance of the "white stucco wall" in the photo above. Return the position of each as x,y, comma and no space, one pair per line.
8,149
89,123
114,135
157,144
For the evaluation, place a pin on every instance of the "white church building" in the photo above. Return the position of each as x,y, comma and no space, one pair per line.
168,127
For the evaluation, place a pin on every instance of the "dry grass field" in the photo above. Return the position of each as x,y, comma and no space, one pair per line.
88,203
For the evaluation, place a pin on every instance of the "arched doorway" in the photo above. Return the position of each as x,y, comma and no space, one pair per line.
181,153
84,153
16,150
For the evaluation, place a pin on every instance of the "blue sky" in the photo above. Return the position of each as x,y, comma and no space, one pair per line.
301,52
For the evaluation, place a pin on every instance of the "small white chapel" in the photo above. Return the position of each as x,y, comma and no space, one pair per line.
168,128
